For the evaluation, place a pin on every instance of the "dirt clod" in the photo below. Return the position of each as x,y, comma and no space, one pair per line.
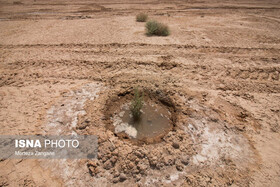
176,145
122,177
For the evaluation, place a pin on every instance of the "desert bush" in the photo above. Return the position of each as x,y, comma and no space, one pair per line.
156,28
136,104
141,17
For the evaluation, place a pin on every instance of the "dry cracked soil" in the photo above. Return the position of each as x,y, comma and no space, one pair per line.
63,64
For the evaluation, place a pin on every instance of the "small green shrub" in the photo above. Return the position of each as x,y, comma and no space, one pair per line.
136,104
156,28
141,17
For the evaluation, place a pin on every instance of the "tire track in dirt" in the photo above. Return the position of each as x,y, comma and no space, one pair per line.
253,73
202,49
177,61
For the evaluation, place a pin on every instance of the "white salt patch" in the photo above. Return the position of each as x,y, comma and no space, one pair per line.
117,121
126,106
64,115
150,181
216,144
191,127
197,159
74,133
128,129
121,113
173,177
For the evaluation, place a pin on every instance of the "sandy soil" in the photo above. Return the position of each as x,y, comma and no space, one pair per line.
60,63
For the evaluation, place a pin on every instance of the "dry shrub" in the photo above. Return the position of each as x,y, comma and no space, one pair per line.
141,17
157,29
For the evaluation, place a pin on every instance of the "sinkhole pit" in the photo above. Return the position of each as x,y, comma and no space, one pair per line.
158,116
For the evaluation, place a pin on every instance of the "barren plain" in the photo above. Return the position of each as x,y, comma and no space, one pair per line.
62,62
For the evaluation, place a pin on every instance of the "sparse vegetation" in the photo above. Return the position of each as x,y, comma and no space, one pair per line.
156,28
141,17
137,104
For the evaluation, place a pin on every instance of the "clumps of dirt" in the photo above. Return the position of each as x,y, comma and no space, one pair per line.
201,139
120,159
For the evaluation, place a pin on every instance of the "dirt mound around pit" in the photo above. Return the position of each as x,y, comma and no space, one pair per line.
202,139
134,160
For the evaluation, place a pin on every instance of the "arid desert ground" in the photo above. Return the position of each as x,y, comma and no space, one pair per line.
63,62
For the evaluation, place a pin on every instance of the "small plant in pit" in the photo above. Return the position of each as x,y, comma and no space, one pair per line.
141,17
156,28
136,104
